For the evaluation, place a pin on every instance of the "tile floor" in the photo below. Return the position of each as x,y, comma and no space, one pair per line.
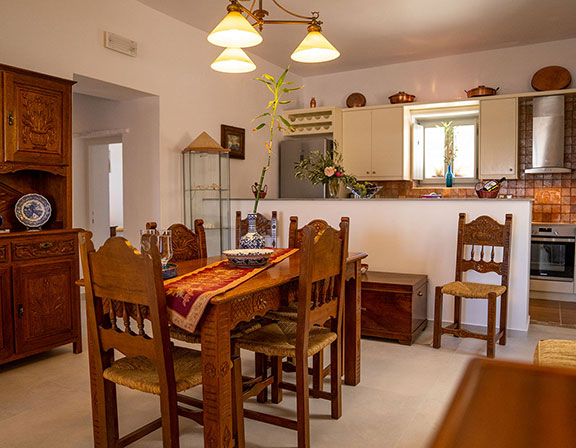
45,400
553,312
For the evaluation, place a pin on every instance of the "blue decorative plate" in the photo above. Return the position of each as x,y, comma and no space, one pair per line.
33,210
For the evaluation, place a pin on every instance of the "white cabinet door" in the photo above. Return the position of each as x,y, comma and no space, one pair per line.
498,139
388,143
357,142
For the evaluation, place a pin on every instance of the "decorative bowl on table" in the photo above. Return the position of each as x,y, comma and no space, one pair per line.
248,258
169,271
364,191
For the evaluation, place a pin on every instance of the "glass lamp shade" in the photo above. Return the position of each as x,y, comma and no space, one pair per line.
315,48
233,60
234,31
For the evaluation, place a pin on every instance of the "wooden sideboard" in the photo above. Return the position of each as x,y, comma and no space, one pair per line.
39,301
394,306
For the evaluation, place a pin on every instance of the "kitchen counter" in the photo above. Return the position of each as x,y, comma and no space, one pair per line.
390,199
418,236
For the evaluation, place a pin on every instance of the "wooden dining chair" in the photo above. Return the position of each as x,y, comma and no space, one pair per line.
264,226
186,244
320,299
289,312
126,311
485,234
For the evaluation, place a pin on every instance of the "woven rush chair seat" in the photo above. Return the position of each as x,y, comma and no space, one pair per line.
241,329
279,339
472,290
289,313
556,353
140,374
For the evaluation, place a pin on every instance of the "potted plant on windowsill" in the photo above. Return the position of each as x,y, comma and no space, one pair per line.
274,122
449,151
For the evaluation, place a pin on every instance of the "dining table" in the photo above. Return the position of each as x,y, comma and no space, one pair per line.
254,297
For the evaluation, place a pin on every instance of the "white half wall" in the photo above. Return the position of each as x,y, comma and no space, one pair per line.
418,237
444,78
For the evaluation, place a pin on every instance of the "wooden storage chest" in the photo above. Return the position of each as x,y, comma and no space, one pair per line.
394,306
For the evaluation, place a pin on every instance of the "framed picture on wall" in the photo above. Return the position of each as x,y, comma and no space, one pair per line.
233,139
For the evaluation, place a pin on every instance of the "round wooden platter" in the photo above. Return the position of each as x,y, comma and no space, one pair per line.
356,100
552,77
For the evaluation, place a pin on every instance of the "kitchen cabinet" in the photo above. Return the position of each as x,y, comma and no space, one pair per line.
373,143
498,139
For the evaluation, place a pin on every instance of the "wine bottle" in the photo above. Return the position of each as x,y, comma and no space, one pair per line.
493,184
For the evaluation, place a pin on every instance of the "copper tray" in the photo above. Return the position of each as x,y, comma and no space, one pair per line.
356,100
552,77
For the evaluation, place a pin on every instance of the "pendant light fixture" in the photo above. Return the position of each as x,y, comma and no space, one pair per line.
235,32
233,60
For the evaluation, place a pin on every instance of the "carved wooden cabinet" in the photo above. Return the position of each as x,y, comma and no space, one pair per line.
39,301
36,124
394,306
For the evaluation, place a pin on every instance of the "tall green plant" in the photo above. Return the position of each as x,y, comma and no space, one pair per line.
449,149
275,120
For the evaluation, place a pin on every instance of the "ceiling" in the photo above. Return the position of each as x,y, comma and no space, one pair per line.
370,33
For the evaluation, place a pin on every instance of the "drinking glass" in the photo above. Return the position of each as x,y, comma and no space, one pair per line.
165,246
145,238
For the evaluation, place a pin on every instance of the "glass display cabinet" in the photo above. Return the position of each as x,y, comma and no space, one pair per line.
207,191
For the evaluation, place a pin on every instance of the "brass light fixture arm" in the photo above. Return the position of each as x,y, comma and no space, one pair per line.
312,20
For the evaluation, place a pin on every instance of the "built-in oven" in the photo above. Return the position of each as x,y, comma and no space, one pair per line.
552,257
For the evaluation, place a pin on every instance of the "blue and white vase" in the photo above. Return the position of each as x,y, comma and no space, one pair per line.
252,240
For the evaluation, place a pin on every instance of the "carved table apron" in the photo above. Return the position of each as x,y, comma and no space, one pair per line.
256,297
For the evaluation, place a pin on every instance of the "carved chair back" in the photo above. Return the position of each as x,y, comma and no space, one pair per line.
479,239
295,234
186,244
124,290
321,281
264,226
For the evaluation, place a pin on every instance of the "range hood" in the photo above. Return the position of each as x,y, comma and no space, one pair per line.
548,135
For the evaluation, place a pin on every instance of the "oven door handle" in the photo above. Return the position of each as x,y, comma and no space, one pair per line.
553,240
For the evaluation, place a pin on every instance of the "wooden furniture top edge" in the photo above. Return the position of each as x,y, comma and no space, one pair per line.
23,71
477,372
392,278
38,233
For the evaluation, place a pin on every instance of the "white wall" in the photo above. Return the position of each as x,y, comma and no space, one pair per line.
419,237
444,78
140,117
64,37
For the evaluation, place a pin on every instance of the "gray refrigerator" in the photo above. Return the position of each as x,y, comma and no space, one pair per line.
292,151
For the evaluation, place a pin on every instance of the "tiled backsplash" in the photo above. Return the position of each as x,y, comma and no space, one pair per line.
554,194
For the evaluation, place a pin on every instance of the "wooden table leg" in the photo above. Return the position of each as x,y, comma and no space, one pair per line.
352,326
216,377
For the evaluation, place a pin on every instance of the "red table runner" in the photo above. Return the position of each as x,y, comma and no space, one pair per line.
188,295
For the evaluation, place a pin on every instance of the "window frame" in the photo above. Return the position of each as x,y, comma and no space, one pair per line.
428,120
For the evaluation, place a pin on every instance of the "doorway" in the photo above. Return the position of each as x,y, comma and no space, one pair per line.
105,190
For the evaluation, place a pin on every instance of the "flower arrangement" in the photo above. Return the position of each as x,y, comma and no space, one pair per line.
324,168
275,120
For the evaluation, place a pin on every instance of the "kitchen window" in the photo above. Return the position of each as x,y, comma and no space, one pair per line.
429,166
